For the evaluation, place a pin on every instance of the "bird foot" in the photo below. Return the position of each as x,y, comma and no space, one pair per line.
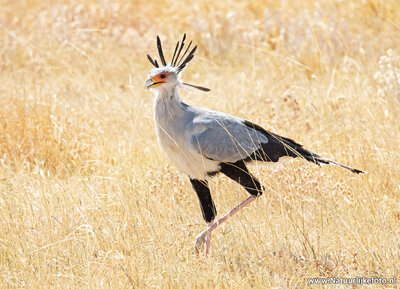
201,239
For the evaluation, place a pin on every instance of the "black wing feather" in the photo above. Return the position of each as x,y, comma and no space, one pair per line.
278,147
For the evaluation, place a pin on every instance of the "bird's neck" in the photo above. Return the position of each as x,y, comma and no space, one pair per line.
168,105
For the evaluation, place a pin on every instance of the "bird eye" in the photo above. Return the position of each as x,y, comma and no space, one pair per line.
162,76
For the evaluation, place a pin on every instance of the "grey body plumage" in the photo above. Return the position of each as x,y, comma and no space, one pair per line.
197,139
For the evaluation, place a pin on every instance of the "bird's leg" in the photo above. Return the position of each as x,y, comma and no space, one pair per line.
208,239
208,210
205,236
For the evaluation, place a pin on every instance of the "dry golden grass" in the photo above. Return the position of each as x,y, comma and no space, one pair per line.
89,200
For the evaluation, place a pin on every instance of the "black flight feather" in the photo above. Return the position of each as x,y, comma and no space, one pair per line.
278,146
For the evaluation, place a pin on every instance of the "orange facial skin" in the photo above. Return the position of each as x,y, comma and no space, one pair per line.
160,78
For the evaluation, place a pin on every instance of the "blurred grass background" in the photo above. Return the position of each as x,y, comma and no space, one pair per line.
89,200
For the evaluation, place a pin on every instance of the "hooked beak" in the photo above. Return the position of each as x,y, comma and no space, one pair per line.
149,83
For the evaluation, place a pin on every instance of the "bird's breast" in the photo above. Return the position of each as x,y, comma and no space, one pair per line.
178,148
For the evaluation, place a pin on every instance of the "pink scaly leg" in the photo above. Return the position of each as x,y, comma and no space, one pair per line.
205,236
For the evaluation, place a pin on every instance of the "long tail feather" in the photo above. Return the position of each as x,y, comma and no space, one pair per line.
278,147
326,161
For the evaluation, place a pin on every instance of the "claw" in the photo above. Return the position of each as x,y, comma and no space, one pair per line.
203,237
200,239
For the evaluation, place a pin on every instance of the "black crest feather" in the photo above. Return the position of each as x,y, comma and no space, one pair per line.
180,49
160,52
179,63
151,61
183,55
173,56
187,60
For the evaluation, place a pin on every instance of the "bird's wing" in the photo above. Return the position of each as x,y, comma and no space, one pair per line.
224,138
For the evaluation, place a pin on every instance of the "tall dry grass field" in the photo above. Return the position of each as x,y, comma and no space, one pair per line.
89,200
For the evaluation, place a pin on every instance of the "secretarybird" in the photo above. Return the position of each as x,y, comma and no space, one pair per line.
202,143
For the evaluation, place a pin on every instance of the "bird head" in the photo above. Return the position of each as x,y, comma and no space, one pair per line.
167,75
164,77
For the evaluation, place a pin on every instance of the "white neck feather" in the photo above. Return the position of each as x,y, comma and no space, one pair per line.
168,105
